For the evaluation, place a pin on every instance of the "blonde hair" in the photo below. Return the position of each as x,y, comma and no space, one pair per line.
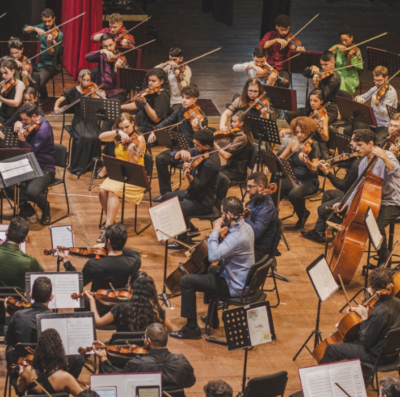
380,70
115,18
124,116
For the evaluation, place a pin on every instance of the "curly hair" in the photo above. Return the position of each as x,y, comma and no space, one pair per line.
380,278
217,388
49,352
161,75
143,308
308,126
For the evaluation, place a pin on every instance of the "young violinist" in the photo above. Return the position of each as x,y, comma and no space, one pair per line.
277,46
47,66
11,90
115,268
374,326
200,196
84,131
117,29
130,146
350,79
258,67
108,62
189,126
386,167
236,156
263,217
251,91
137,313
48,368
235,255
178,77
152,105
305,167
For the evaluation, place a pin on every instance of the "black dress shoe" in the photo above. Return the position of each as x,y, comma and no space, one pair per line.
313,235
175,246
158,199
186,333
301,222
46,217
214,324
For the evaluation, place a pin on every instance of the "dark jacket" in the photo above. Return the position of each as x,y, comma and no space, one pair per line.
350,177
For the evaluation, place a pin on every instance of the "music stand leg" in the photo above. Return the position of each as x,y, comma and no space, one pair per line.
316,333
92,165
278,178
123,204
16,199
164,296
246,351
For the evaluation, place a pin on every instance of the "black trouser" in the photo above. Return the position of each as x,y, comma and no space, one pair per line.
46,73
232,174
163,161
210,284
329,199
285,75
387,215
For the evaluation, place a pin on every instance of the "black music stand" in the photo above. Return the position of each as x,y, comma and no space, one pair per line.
10,138
342,143
281,98
378,57
130,79
356,112
127,173
31,48
391,111
134,57
170,138
103,110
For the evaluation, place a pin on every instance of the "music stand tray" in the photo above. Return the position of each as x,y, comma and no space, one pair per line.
270,160
391,111
306,59
342,143
357,111
378,57
281,98
103,109
130,79
170,138
264,129
10,138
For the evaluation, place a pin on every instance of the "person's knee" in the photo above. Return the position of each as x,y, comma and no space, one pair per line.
163,160
186,282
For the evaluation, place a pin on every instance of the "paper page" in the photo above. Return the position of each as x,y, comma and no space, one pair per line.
80,334
13,164
324,283
348,374
63,284
167,217
60,235
51,277
259,329
372,227
316,382
3,238
60,325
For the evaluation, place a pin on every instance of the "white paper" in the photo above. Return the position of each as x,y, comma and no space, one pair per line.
3,237
316,383
324,283
110,392
13,164
258,323
168,217
60,325
15,168
60,235
372,227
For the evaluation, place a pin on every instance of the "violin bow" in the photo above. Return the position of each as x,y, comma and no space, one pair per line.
135,48
23,298
77,235
341,388
42,52
303,27
387,82
45,391
64,23
133,28
294,56
343,67
250,107
200,56
1,16
216,150
366,41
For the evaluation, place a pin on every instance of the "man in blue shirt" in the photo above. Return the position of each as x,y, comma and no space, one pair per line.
235,255
47,66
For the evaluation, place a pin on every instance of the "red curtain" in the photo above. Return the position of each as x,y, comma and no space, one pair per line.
77,33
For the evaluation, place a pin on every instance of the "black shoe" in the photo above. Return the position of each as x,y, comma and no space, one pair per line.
158,199
46,217
194,234
301,222
313,235
214,324
186,333
175,246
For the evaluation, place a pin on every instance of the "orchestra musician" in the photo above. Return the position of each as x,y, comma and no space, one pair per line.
235,254
178,77
153,106
47,66
189,94
394,133
29,95
373,327
11,90
255,68
305,167
277,46
350,79
386,167
333,196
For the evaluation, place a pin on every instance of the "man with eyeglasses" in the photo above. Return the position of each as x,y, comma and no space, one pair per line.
264,215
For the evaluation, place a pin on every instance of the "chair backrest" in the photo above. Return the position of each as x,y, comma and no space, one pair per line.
148,164
252,157
278,236
176,393
267,386
257,275
222,188
125,336
391,343
61,155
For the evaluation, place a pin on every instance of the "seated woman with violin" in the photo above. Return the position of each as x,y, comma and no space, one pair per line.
305,155
152,105
84,131
346,53
48,368
236,156
375,321
11,90
251,91
130,146
137,313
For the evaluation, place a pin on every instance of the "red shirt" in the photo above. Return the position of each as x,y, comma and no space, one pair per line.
108,30
274,53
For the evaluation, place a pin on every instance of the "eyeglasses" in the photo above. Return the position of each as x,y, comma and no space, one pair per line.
250,186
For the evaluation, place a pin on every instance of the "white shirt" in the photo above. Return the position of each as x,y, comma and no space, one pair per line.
251,73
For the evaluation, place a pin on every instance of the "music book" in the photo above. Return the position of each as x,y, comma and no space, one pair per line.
63,286
60,235
3,237
167,218
258,323
321,380
76,329
373,229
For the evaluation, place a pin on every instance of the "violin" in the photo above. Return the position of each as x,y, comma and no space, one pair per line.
194,112
271,189
341,158
305,147
194,163
32,127
106,297
7,86
119,57
269,70
293,42
127,351
14,305
123,35
146,91
134,138
320,114
54,33
82,252
381,92
262,103
93,91
218,135
324,75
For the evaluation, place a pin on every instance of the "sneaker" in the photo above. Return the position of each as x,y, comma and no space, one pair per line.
102,238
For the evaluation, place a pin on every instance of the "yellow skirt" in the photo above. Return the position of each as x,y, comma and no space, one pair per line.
133,194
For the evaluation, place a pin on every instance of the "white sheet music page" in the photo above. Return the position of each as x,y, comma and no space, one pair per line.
316,381
63,284
373,229
322,278
60,235
167,217
258,323
60,325
15,168
80,333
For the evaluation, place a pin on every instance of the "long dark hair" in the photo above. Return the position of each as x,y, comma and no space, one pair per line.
161,75
49,352
143,308
246,129
244,99
319,94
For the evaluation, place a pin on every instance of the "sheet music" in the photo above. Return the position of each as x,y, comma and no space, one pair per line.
60,325
168,217
60,235
322,278
258,323
316,383
373,230
3,238
15,168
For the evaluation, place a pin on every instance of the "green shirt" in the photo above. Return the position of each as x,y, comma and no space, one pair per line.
349,76
46,59
14,264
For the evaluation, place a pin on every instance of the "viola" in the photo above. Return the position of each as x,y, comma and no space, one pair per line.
7,86
127,351
82,252
119,57
106,297
93,91
146,91
261,104
218,135
14,305
194,112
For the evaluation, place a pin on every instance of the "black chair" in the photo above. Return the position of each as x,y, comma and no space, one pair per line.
390,346
175,393
172,170
267,386
252,293
68,128
4,293
62,161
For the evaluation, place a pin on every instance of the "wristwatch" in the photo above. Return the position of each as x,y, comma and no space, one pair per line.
117,131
